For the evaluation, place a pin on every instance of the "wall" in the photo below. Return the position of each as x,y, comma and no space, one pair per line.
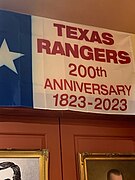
65,134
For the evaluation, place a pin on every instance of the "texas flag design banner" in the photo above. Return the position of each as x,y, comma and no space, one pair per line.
56,65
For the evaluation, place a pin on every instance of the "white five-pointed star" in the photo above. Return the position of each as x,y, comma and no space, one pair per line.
7,56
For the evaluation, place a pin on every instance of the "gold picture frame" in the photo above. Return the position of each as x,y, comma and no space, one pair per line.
24,164
102,166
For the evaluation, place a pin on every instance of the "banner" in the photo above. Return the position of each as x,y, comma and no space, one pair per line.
56,65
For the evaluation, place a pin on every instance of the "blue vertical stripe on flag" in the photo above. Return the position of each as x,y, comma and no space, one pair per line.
16,87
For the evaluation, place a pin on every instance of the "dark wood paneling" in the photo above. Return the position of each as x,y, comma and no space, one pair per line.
64,134
87,135
33,132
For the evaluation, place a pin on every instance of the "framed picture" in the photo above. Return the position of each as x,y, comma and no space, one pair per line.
107,166
24,165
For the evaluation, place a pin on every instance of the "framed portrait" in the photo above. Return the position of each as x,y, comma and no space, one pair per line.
24,165
106,166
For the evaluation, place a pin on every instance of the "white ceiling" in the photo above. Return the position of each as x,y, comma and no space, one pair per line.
111,14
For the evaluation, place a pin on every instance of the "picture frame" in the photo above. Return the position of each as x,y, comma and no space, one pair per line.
24,164
104,166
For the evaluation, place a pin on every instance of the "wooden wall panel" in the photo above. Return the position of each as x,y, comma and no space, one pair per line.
89,136
34,130
104,144
65,134
22,141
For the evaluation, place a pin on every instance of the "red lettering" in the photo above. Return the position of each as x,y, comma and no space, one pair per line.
71,32
120,88
48,84
57,48
95,37
69,49
84,52
88,55
111,55
112,90
58,85
96,87
79,86
125,59
59,28
104,90
107,38
87,88
99,54
43,44
83,34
